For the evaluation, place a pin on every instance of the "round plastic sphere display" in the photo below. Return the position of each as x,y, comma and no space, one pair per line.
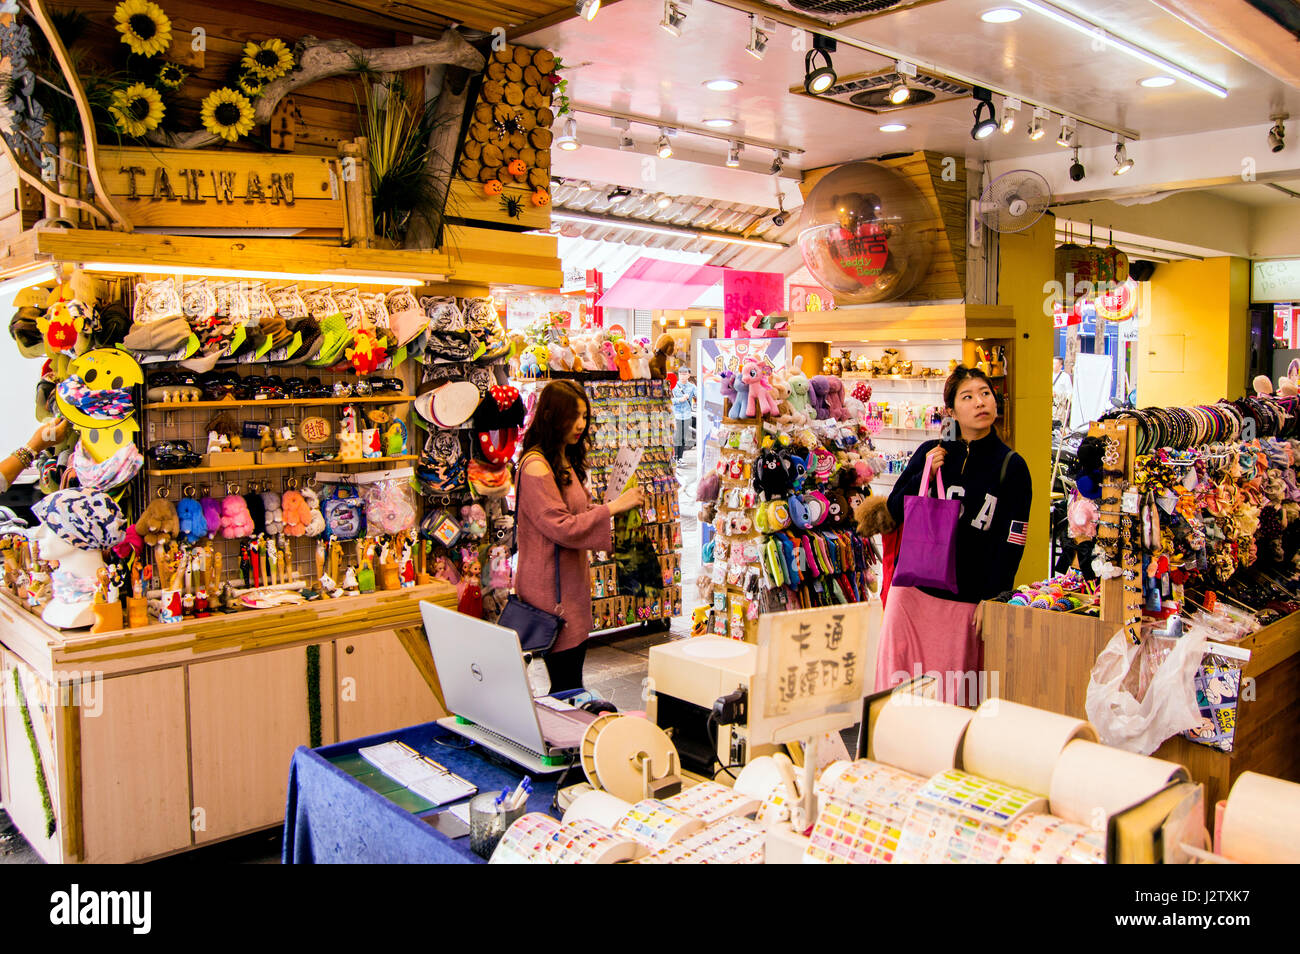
866,233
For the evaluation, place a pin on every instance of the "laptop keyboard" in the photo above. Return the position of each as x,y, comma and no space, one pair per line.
560,732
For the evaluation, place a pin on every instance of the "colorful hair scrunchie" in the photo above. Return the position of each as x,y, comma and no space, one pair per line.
108,404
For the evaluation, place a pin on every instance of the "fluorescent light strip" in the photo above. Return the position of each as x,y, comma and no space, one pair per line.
329,278
1089,29
26,279
662,230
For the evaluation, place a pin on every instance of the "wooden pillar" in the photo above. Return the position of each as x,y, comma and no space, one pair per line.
356,192
69,174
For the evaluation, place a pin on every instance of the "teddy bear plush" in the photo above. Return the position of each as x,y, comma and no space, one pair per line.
771,478
159,522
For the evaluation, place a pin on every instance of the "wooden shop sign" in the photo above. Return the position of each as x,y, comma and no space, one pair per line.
203,188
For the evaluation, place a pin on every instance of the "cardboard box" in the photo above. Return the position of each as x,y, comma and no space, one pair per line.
230,459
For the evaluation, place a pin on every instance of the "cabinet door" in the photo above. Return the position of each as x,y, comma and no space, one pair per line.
379,689
135,793
247,715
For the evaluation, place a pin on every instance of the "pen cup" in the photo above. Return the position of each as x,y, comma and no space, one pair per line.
488,821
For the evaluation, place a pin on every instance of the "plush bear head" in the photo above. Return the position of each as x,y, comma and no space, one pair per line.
873,516
771,477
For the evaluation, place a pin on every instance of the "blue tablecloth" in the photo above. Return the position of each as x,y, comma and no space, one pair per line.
331,817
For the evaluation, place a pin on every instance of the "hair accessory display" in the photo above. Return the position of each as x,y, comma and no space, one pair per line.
88,520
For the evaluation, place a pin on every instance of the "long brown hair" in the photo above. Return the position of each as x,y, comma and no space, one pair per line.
557,408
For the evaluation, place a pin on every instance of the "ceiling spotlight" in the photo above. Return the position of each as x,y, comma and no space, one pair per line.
984,126
673,18
1122,162
664,150
778,161
1076,167
893,127
1277,135
584,186
1000,15
1157,82
626,143
722,85
1037,129
1066,138
568,140
587,9
681,321
1010,106
818,79
719,123
757,46
780,218
901,92
733,155
662,200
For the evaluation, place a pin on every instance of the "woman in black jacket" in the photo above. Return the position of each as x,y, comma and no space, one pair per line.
932,631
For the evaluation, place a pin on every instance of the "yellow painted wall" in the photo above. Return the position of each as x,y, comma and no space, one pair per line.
1193,343
1026,262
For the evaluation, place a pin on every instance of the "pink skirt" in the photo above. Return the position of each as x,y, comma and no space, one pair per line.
923,635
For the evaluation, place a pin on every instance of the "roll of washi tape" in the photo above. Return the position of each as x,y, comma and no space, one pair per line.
1019,745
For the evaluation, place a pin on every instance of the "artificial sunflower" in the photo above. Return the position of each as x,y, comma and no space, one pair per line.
144,26
136,110
269,59
227,113
171,76
250,84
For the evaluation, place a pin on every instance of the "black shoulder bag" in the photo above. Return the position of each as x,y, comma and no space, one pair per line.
536,628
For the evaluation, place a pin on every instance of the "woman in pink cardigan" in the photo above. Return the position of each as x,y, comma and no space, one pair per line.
556,519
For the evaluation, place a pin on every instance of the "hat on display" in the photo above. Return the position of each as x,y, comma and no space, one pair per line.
111,325
206,360
449,406
10,522
26,332
501,409
406,319
489,480
163,336
484,326
312,340
337,337
86,519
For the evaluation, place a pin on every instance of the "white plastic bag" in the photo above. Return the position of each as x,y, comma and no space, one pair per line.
1168,706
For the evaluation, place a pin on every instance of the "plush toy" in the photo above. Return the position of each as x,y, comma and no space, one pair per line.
518,344
542,356
212,514
316,523
609,356
593,352
832,394
761,400
746,378
559,358
273,506
817,396
837,509
294,513
639,361
708,488
708,511
770,475
796,467
624,354
528,367
235,518
873,516
728,388
665,348
473,521
159,522
193,526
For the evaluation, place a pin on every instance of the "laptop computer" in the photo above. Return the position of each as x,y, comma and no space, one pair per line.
485,684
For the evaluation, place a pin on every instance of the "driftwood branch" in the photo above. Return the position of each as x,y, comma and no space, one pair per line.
441,150
322,59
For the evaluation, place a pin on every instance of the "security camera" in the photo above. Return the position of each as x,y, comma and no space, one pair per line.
779,219
1277,135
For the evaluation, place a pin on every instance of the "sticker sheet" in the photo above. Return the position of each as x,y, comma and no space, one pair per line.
710,802
980,798
864,805
654,823
732,841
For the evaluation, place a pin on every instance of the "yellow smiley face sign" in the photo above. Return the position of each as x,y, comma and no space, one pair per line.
103,442
102,369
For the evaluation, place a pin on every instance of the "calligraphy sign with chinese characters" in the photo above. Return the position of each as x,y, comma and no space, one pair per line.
812,659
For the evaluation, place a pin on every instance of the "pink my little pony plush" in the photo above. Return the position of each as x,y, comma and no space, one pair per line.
761,397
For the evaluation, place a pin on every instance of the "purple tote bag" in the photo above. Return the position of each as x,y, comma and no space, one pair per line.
927,552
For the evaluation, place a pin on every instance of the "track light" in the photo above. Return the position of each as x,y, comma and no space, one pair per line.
568,140
818,79
1037,129
778,161
665,148
757,46
1010,107
663,200
1122,162
587,9
1277,135
984,126
733,155
1066,138
900,92
626,143
1076,167
673,18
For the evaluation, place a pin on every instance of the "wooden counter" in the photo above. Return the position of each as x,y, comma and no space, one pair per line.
1041,658
159,739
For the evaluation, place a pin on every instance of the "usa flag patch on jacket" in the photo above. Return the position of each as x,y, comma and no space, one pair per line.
1018,530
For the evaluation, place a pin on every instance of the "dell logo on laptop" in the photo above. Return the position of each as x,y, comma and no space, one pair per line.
475,671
